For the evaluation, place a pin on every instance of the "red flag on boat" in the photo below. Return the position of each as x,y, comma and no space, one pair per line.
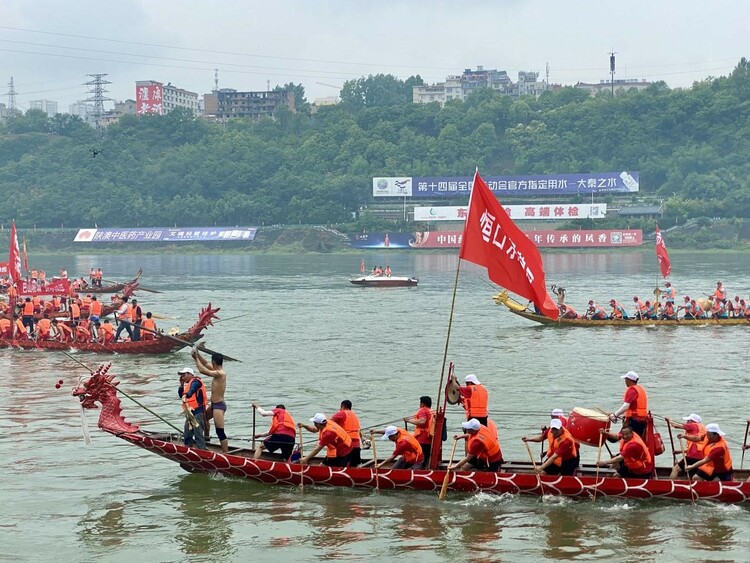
661,254
25,257
491,239
14,255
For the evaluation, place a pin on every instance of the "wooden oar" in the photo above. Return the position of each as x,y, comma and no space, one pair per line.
254,409
184,343
444,488
163,317
375,460
671,441
301,467
744,444
598,459
684,460
533,462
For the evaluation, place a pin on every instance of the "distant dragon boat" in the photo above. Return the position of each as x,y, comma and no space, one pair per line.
113,287
384,281
521,310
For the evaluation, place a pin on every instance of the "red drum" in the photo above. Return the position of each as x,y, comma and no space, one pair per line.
584,425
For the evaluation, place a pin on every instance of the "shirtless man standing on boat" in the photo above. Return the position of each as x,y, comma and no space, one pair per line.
217,408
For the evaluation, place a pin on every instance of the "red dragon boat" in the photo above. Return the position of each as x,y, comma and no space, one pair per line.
114,287
160,344
515,477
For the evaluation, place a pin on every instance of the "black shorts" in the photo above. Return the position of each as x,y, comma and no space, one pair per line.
568,467
626,473
482,465
355,457
341,461
728,476
638,425
280,442
690,461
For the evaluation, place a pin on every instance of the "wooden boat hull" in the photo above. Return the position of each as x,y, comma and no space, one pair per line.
384,281
520,310
155,346
280,473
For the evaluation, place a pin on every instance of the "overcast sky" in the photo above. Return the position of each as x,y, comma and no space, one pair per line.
49,46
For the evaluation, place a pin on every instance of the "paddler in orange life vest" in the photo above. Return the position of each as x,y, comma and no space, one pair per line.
568,312
483,449
349,421
618,311
562,454
193,395
669,312
407,447
595,312
669,292
634,459
634,406
282,434
720,293
717,463
332,437
423,422
28,314
555,414
475,399
149,327
695,436
640,308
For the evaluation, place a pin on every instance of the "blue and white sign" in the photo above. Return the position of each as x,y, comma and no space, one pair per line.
550,184
202,234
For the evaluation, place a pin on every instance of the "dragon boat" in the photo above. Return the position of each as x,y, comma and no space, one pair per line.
384,281
113,287
161,343
514,477
521,310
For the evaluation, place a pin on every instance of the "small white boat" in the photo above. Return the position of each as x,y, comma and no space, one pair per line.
384,281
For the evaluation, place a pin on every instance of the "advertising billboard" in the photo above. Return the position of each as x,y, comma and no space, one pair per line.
194,234
149,99
519,212
531,185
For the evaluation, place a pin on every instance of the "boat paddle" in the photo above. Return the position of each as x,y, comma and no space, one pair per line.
183,343
744,444
301,466
375,460
444,488
254,409
598,459
533,463
687,472
671,440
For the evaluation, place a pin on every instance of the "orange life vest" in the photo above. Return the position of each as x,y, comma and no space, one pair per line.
696,449
425,432
414,453
351,424
108,332
28,309
287,422
5,328
642,462
96,309
554,443
491,444
86,302
20,328
639,407
75,311
44,327
342,438
723,466
192,402
476,403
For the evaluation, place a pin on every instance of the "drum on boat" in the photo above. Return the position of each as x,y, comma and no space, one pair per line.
584,425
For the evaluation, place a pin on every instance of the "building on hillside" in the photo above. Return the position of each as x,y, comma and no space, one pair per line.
47,106
459,87
3,111
619,85
127,107
321,102
641,210
158,98
227,103
82,109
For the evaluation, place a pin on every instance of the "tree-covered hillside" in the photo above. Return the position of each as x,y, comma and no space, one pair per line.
690,145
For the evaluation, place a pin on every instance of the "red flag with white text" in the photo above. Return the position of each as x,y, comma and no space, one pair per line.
661,254
491,239
14,255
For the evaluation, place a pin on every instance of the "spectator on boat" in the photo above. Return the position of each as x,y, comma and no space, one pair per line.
717,461
282,434
374,271
568,312
634,406
332,437
193,394
640,308
669,312
120,316
217,408
423,421
348,420
28,314
92,275
136,317
407,447
634,460
595,312
149,327
475,399
98,277
695,436
483,449
388,271
669,292
720,292
562,453
618,311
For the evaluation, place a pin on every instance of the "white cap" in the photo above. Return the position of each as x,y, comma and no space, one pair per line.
471,378
557,412
692,417
319,418
389,431
630,375
714,428
472,424
186,370
555,423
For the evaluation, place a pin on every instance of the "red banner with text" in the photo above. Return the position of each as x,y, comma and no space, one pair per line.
543,239
30,288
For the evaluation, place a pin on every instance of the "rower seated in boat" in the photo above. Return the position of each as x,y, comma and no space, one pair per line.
717,461
618,311
280,436
562,453
693,310
568,312
596,312
408,450
669,312
695,436
483,448
634,460
330,436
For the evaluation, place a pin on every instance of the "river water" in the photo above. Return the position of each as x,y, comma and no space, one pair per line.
309,339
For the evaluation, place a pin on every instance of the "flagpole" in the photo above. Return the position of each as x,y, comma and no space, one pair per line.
448,336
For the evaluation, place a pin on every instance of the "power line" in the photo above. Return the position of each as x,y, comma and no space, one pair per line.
97,92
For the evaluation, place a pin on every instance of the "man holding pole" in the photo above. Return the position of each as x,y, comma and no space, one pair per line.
218,407
193,395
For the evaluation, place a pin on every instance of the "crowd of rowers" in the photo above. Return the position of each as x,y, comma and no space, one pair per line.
38,279
716,306
72,319
707,456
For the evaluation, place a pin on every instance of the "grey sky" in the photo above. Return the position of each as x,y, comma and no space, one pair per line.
328,42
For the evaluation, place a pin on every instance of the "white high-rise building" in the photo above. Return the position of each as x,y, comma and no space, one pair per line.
47,106
82,109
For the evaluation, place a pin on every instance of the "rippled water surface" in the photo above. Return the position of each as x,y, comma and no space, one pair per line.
309,339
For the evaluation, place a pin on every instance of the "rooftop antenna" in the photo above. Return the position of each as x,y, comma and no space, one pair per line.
97,91
547,74
216,80
268,85
12,98
612,71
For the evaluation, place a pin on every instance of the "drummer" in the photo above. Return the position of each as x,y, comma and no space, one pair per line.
634,406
